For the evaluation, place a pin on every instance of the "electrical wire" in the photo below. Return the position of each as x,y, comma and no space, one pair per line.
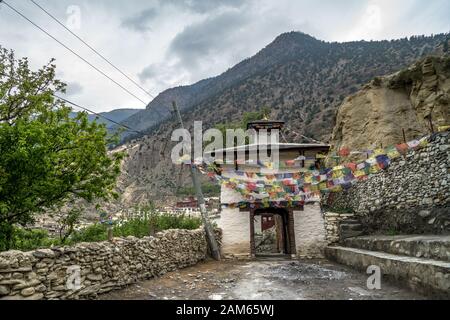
73,52
97,114
93,49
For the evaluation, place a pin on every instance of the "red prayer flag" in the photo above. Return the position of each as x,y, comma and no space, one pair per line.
290,163
344,152
351,166
402,148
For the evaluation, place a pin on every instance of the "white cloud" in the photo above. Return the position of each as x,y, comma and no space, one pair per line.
167,43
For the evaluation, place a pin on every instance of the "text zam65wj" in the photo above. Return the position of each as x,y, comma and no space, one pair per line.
247,310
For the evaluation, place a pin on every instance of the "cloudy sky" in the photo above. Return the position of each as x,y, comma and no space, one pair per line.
166,43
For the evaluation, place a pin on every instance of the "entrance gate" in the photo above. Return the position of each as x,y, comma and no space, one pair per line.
286,217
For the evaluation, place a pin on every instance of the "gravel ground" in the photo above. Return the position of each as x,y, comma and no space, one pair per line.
261,279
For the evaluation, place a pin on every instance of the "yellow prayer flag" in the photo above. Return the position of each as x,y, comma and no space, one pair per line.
338,174
322,185
393,154
359,173
374,169
423,142
337,188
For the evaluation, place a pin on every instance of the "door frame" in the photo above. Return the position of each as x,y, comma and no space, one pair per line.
288,222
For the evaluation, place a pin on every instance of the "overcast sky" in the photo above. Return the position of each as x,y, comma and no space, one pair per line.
166,43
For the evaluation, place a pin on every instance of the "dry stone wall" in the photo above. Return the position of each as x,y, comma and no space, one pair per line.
88,269
333,221
411,196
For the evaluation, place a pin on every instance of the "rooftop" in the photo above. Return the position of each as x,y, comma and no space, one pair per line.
280,146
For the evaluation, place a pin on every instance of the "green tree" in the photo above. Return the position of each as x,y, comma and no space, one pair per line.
66,220
47,157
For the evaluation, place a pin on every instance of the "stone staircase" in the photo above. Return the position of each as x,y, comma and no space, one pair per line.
350,228
420,262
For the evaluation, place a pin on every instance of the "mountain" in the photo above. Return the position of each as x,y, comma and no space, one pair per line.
407,101
117,115
303,80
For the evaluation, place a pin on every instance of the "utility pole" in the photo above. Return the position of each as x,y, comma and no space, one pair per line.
430,120
213,246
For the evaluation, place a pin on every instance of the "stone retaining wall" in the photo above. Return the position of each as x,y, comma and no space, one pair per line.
332,222
102,267
411,196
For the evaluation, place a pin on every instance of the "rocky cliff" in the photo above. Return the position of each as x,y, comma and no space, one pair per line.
415,101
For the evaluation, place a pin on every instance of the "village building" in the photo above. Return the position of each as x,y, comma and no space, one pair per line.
190,202
281,227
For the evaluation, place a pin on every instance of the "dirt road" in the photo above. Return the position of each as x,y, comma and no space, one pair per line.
261,279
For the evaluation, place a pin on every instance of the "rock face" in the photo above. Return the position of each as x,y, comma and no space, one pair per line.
411,197
376,115
88,269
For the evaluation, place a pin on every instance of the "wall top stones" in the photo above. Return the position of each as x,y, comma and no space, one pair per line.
88,269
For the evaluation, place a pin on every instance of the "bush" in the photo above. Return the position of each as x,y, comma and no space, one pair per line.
93,233
168,221
26,240
137,227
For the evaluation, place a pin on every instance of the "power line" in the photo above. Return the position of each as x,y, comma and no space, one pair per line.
95,113
86,109
93,49
73,52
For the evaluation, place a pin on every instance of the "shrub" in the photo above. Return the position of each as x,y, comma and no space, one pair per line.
92,233
26,239
137,227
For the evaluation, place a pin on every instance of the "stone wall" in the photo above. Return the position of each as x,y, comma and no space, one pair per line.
411,196
102,267
332,225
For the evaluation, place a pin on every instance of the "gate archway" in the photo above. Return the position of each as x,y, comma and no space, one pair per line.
286,217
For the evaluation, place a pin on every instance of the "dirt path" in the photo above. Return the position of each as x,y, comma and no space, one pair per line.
261,279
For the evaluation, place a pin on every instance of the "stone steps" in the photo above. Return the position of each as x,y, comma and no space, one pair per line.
350,229
427,276
429,247
351,221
